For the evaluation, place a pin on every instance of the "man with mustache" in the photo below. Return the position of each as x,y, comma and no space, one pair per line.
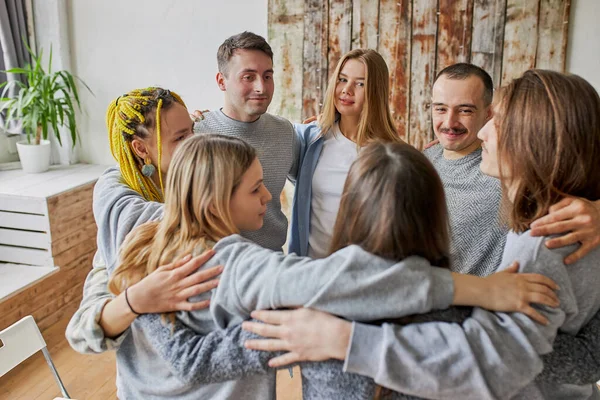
461,105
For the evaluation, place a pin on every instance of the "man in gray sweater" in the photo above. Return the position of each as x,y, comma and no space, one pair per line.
461,105
245,76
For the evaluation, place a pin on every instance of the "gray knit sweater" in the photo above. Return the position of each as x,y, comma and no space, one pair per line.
278,150
473,202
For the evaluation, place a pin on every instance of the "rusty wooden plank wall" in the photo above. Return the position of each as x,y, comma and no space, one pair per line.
395,20
520,38
422,60
552,34
315,56
417,38
286,37
488,36
454,32
365,24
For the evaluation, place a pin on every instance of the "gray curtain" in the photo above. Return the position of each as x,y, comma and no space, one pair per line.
13,35
13,31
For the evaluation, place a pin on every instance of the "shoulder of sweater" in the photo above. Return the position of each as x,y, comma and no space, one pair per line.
533,247
433,151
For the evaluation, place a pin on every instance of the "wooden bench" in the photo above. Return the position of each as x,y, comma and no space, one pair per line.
47,241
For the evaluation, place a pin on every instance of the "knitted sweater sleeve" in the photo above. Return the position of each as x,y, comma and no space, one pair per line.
196,359
575,359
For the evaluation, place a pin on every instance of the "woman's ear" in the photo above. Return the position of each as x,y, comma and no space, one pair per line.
140,149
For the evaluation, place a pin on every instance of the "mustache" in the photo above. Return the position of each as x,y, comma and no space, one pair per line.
454,131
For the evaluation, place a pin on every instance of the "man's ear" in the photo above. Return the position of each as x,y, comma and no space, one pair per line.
140,149
221,81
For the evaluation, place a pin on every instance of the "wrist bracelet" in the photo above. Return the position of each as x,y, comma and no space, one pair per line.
129,304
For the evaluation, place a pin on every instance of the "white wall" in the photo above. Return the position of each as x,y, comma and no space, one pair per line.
119,45
583,50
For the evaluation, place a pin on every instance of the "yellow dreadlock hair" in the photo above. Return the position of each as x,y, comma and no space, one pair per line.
128,116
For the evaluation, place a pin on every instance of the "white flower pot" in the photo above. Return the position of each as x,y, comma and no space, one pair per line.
34,158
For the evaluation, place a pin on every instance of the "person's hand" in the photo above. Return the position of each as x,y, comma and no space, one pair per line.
578,220
170,286
311,119
307,335
198,115
509,291
431,144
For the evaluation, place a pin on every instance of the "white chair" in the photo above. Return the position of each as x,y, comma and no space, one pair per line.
20,341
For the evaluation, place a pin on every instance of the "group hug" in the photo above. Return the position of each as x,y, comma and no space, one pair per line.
467,271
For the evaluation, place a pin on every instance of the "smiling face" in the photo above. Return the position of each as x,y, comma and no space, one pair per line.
248,203
458,113
248,85
350,89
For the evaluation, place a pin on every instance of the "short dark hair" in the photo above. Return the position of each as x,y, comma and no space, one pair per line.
242,41
463,71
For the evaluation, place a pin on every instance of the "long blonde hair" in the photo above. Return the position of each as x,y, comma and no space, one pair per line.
204,174
376,121
137,113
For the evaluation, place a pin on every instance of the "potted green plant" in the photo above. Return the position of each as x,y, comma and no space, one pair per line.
43,104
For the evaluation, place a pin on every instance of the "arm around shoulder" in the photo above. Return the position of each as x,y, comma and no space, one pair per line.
84,333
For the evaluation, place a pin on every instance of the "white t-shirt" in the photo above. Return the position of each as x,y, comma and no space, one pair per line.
336,157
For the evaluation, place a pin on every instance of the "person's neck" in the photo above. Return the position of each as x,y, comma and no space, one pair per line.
156,180
349,127
455,155
233,114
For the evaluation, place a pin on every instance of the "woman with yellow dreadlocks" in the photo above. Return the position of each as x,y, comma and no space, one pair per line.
144,128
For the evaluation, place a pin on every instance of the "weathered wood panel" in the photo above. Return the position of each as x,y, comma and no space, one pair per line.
44,299
286,37
394,47
67,199
423,56
504,37
315,56
488,36
520,38
552,34
37,292
65,227
454,32
365,24
340,31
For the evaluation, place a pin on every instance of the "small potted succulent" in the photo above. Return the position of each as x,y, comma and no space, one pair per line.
40,107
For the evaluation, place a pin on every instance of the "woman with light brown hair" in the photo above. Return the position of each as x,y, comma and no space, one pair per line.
543,144
356,112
